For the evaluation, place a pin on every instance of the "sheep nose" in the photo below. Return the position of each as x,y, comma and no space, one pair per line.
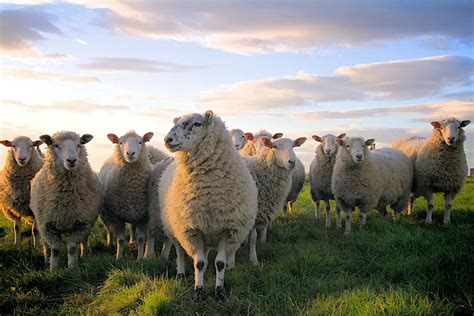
451,139
168,140
23,159
130,154
291,162
71,161
359,156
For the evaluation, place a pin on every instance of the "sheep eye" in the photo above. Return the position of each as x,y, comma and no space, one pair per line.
139,143
56,145
121,143
347,146
197,124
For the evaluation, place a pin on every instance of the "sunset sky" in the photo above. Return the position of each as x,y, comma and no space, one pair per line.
297,67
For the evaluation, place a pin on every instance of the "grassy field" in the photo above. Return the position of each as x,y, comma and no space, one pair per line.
384,268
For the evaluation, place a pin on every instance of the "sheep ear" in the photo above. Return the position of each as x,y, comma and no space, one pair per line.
299,141
369,142
342,135
176,119
249,136
147,137
317,138
267,142
208,117
465,123
436,124
86,138
113,138
48,140
277,135
37,143
340,141
6,143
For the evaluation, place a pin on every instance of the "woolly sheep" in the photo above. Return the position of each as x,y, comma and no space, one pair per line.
271,169
298,176
370,179
238,138
440,164
254,142
124,178
320,174
65,195
21,165
208,197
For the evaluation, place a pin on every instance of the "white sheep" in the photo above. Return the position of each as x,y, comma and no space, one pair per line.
271,169
208,197
370,179
124,178
320,174
254,142
21,165
440,164
65,195
238,138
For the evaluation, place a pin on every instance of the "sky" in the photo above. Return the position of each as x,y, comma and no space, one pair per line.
374,69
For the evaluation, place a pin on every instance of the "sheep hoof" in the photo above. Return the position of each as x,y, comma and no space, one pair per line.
219,293
198,294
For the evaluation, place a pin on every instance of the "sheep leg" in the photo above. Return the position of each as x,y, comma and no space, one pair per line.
110,238
72,253
141,229
253,246
270,226
200,263
150,246
262,234
285,209
54,258
328,213
291,205
338,218
317,213
362,217
133,233
448,200
411,203
429,212
36,235
84,246
220,263
231,259
348,230
382,212
120,240
17,231
179,259
167,244
46,253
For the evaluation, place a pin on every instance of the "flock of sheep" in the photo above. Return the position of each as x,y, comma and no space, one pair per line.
221,189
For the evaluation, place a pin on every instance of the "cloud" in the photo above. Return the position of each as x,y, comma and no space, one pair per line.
77,106
21,28
255,27
134,64
404,79
28,74
79,41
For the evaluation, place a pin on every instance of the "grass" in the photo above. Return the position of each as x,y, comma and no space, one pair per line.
406,268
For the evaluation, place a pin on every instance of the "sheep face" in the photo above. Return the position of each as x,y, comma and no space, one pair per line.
329,143
130,145
450,129
188,132
257,139
282,149
67,151
355,146
238,138
22,149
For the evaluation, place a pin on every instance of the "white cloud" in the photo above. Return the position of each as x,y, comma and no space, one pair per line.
134,64
29,74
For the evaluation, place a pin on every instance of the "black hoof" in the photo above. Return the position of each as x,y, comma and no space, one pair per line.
198,294
181,276
219,293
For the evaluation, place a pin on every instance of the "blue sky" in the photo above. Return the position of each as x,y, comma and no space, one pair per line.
301,68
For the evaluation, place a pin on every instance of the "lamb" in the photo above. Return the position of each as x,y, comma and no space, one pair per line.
65,195
271,169
254,142
208,197
124,178
440,164
370,179
320,174
21,165
238,138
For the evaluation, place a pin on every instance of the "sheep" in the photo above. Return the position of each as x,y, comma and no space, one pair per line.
370,179
440,164
298,176
21,165
271,169
65,196
207,195
238,138
154,226
254,142
124,178
320,174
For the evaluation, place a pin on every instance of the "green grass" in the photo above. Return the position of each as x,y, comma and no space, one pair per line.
406,268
